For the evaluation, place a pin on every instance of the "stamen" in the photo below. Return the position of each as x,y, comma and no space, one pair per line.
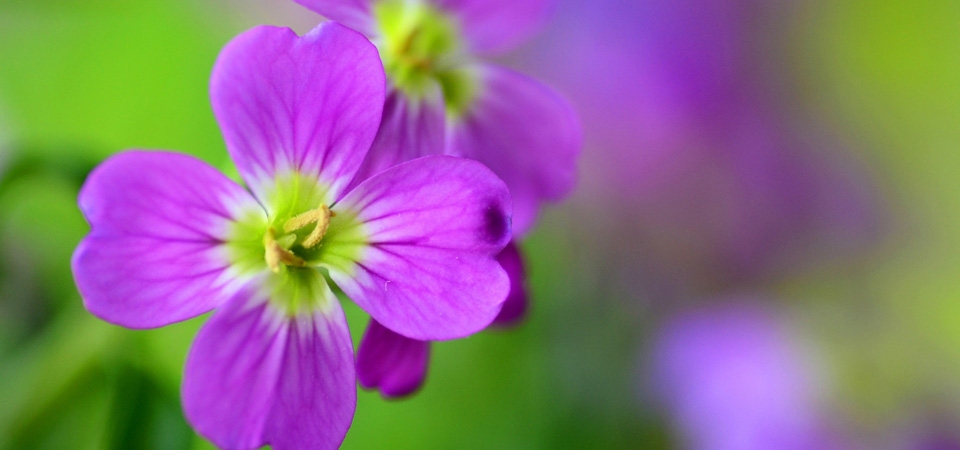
321,216
276,254
408,42
422,63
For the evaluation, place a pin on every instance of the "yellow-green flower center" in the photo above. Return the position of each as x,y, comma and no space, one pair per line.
421,46
281,250
299,230
297,238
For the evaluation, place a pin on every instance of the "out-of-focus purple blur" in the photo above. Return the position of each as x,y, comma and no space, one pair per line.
706,177
735,377
692,144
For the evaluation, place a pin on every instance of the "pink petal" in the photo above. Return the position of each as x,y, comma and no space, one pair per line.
435,226
526,133
155,254
394,364
515,307
356,14
410,129
497,25
258,375
310,105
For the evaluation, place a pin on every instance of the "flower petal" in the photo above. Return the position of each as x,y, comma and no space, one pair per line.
411,128
231,373
434,227
394,364
317,391
526,133
497,25
515,307
308,105
258,375
155,254
356,14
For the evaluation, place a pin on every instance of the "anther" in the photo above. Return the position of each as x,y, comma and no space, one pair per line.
321,216
275,254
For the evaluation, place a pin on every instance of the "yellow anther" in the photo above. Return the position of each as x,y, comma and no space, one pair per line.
320,216
275,254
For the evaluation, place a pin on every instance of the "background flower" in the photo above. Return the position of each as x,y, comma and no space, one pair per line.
736,377
443,100
694,146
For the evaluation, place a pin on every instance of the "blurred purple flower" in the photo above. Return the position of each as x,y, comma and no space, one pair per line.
691,144
441,100
936,441
172,238
733,378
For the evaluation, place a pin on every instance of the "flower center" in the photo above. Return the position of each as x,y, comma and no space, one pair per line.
283,250
421,46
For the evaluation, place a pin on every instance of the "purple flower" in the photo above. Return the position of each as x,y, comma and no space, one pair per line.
931,439
414,245
441,100
696,157
732,377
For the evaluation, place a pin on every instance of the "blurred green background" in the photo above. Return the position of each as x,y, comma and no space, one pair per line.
80,80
